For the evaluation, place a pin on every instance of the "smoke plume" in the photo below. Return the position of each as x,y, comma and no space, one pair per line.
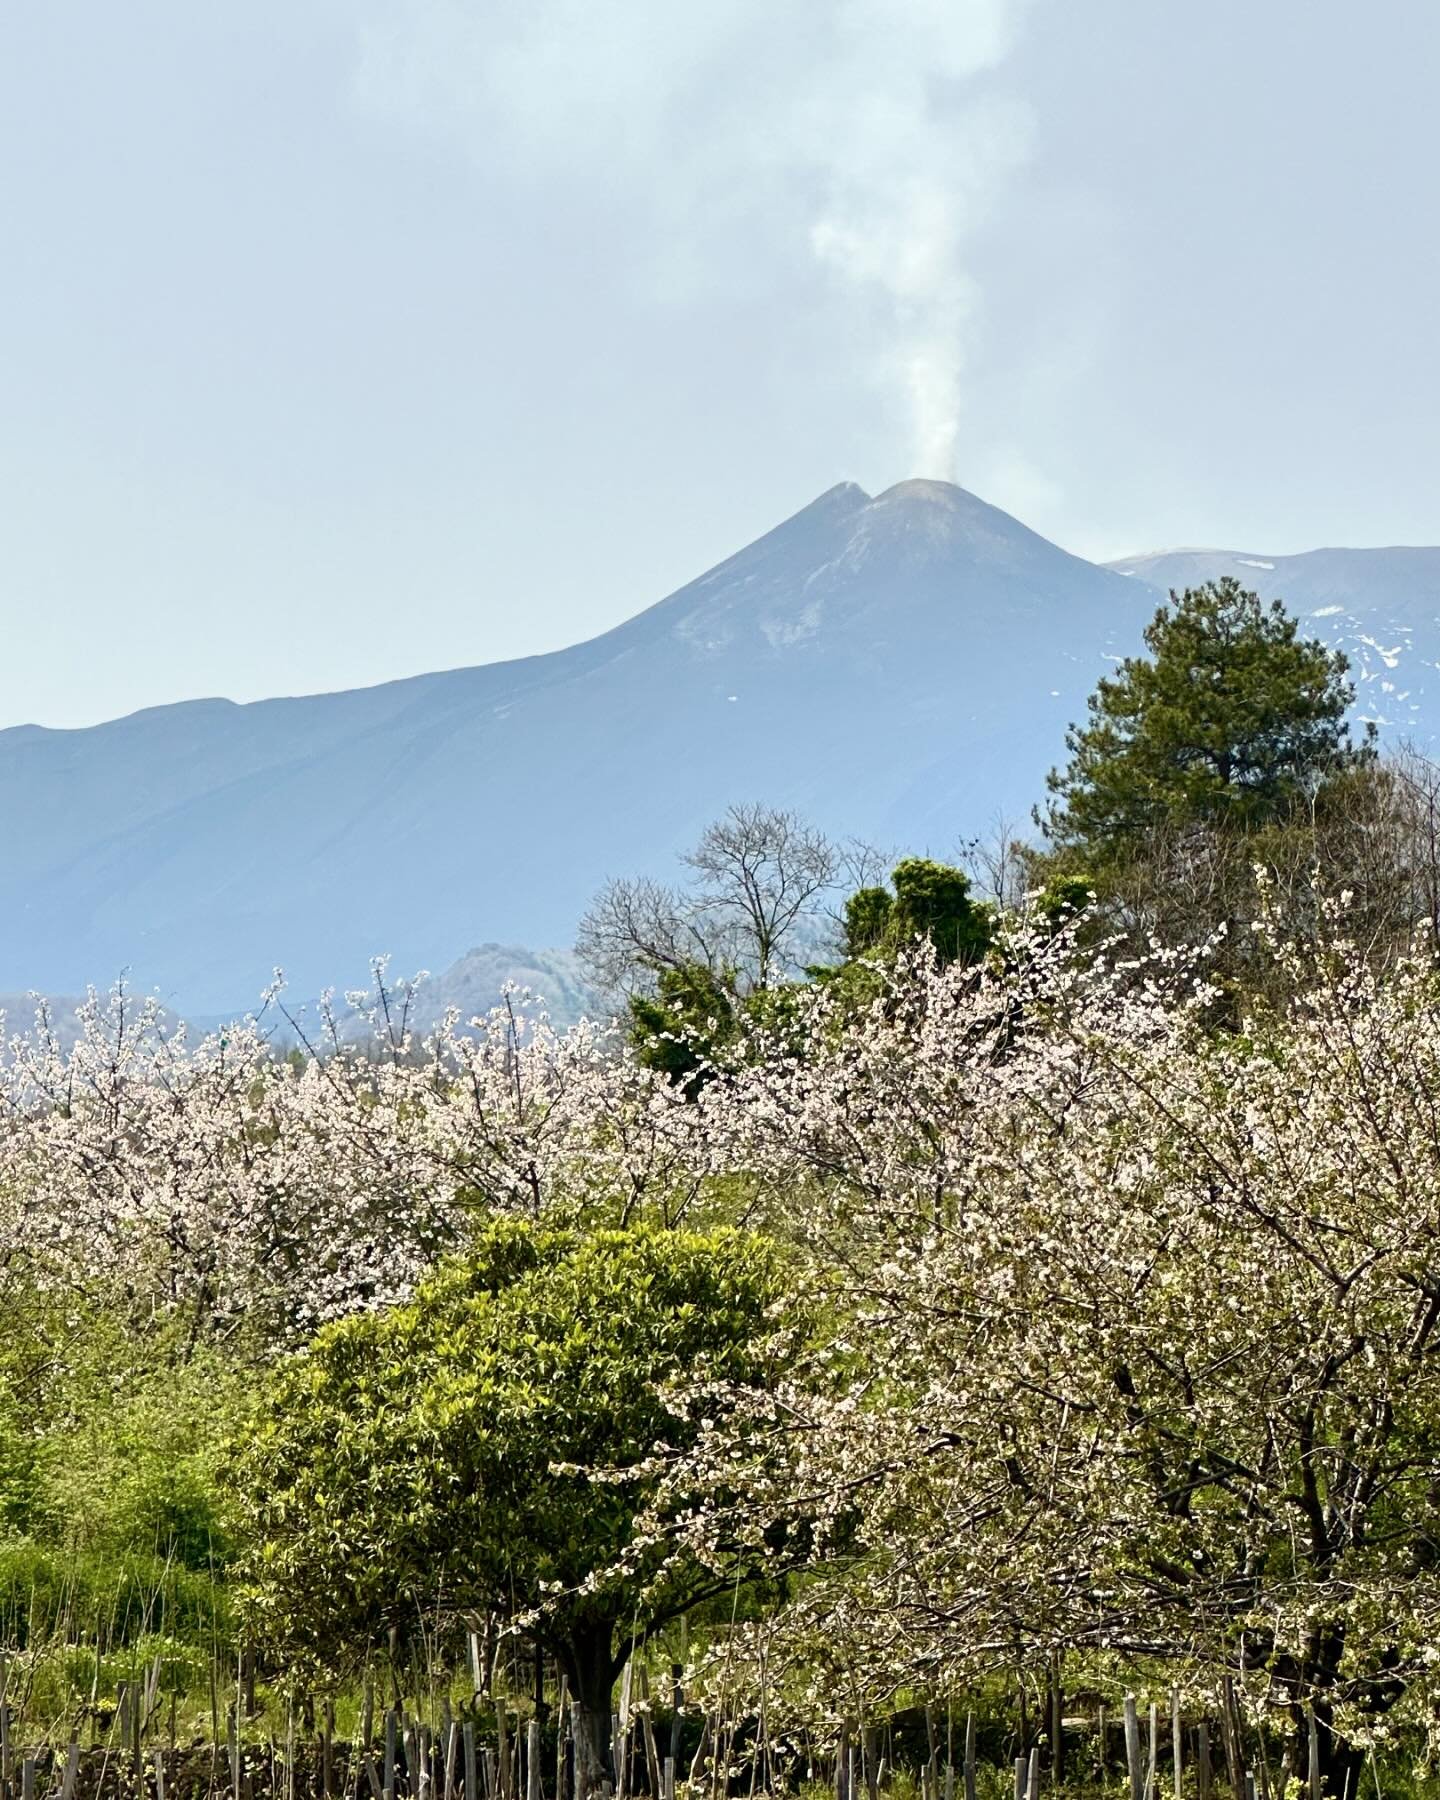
861,135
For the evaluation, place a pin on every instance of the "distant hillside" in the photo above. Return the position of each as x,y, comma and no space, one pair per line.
18,1012
1381,607
477,980
901,668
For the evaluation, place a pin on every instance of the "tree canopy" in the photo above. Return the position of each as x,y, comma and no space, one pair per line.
1230,720
437,1455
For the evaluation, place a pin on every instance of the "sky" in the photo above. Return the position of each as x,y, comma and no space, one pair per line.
342,340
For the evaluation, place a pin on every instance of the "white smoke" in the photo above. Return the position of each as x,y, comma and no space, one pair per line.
855,132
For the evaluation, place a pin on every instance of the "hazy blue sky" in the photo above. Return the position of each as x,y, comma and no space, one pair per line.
344,339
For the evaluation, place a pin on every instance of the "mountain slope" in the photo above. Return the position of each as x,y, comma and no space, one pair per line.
901,668
1381,607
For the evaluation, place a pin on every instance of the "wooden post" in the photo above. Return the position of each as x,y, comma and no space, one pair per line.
1057,1724
502,1753
562,1725
677,1707
5,1728
1177,1741
1132,1749
452,1758
872,1771
1234,1749
1202,1761
1312,1733
1032,1785
652,1753
579,1758
1022,1769
472,1781
970,1756
533,1788
1152,1762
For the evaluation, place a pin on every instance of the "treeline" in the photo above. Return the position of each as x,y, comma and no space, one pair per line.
948,1279
1213,778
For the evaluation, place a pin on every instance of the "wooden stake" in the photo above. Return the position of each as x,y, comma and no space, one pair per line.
1152,1761
1313,1735
1177,1740
1132,1749
533,1790
969,1770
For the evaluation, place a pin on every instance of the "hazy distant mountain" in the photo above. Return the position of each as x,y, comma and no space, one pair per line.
1381,607
474,983
901,668
18,1014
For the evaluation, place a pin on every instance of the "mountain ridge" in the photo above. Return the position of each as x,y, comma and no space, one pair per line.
1380,606
900,666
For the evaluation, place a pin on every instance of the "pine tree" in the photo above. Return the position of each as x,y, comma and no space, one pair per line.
1231,720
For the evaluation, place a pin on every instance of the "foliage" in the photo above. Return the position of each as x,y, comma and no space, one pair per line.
1129,1299
113,1524
678,1029
1136,1346
932,901
246,1198
1231,720
435,1456
867,921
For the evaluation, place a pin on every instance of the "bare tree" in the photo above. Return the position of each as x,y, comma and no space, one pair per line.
762,872
636,929
999,865
761,879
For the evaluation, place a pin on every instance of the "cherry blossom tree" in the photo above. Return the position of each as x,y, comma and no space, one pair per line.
1136,1336
220,1177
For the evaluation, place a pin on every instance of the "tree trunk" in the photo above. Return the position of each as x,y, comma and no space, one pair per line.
589,1661
1329,1766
